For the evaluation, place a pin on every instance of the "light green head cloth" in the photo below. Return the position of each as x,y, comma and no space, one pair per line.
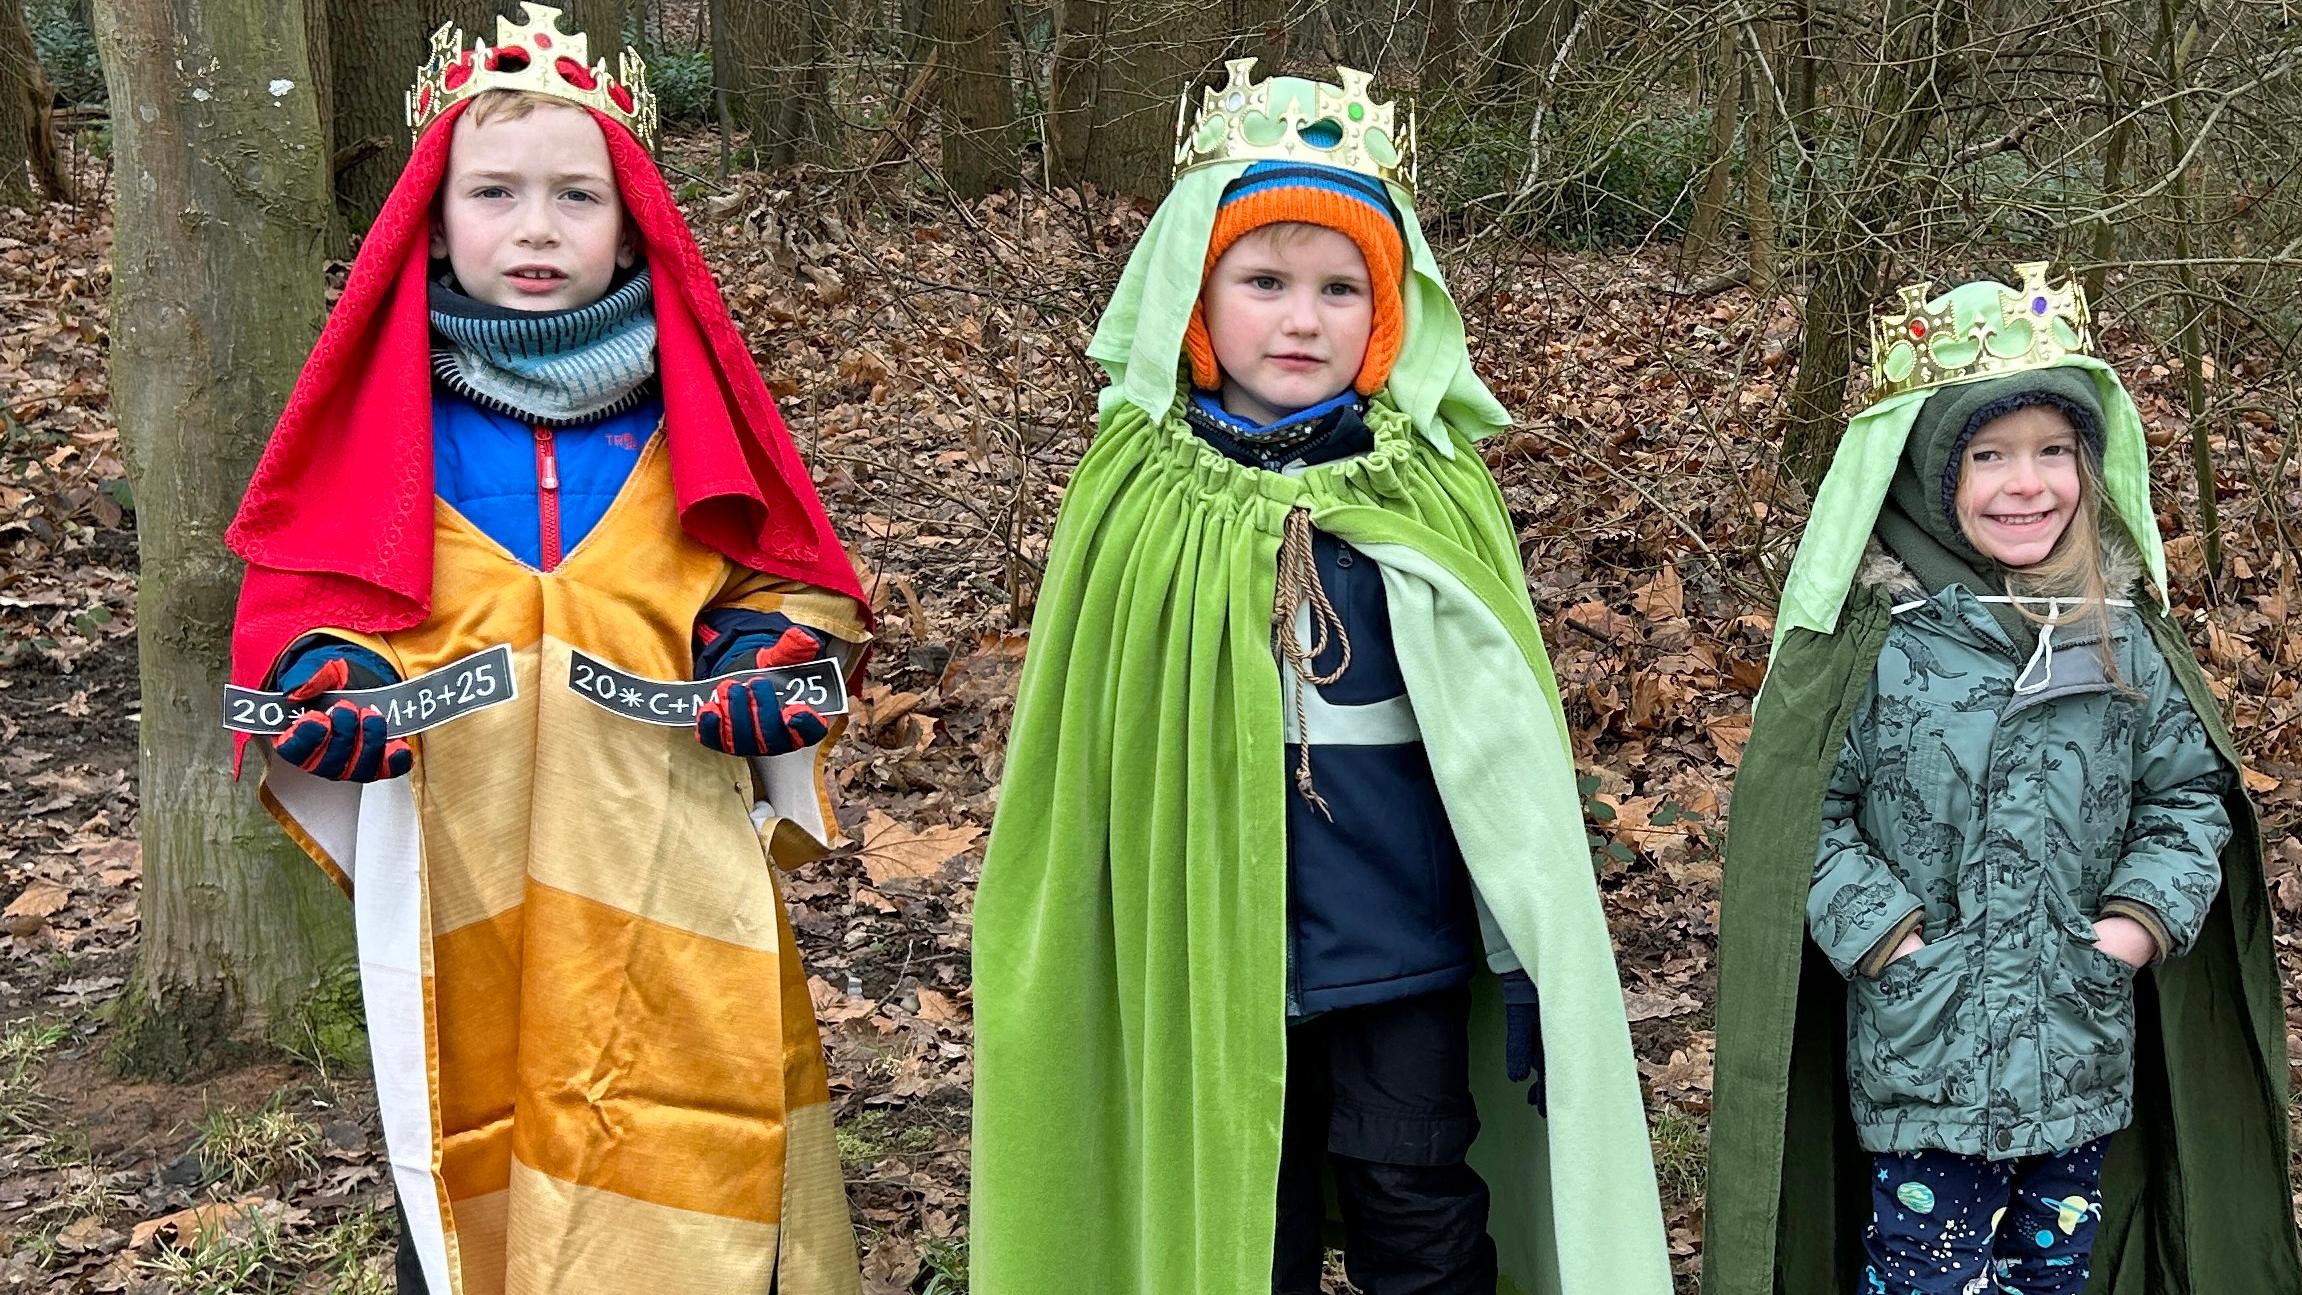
1139,340
1846,508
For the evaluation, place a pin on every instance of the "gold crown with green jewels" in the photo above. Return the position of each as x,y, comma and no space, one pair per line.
1245,120
1976,331
533,55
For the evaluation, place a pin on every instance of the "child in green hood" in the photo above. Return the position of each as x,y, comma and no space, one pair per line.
2023,804
2049,813
1286,728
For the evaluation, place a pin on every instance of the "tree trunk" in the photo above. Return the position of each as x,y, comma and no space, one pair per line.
973,96
1075,72
1532,33
1442,47
601,22
27,137
1368,39
1708,220
222,216
2121,116
321,65
1120,70
1835,314
1904,103
375,47
777,86
1263,30
1758,160
722,100
2173,49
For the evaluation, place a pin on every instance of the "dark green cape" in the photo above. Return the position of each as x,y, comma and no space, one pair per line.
2196,1193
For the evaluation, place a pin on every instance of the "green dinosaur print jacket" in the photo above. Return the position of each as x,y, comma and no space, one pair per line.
2001,824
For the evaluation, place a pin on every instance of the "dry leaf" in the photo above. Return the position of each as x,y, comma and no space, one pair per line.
891,850
86,1235
891,1267
186,1225
1642,1006
992,666
1662,598
937,1006
833,1007
1602,622
39,899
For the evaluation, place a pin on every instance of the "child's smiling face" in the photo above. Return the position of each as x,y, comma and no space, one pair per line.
2018,485
529,216
1288,313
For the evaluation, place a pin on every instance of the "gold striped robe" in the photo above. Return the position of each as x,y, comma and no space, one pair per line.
595,1053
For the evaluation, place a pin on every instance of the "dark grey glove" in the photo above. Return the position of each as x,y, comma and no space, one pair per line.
1523,1036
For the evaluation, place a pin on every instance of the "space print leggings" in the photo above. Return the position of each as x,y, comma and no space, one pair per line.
1945,1224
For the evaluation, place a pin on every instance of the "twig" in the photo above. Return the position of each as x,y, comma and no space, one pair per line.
358,151
2014,137
1543,106
1714,285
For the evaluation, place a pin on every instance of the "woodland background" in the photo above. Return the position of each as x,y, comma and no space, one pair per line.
1665,223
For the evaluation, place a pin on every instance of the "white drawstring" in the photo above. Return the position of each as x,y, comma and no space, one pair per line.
2043,654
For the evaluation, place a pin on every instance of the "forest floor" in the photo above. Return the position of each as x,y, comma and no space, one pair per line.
930,357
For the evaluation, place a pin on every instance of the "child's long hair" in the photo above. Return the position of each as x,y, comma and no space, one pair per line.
2074,567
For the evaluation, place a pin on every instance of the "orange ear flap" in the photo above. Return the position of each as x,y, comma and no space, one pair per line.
1206,375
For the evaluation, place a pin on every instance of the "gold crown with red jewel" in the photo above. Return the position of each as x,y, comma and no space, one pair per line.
1977,330
532,55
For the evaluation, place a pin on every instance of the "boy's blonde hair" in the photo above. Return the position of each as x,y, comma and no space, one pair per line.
511,105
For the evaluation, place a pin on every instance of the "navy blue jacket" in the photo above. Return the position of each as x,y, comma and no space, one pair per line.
1379,904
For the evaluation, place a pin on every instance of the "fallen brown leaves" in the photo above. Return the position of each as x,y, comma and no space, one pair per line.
929,357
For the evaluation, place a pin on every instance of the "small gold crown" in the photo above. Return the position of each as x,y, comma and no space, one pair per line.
1977,330
1248,120
532,55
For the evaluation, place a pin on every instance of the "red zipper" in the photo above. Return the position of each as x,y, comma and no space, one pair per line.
548,497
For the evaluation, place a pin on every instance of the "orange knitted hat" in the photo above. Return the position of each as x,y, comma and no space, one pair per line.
1351,204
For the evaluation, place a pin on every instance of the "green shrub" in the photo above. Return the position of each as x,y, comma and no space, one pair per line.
1624,183
66,49
682,84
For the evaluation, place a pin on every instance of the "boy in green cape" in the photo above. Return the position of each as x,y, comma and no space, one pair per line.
1998,999
1289,838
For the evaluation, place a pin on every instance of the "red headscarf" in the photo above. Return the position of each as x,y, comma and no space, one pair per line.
336,526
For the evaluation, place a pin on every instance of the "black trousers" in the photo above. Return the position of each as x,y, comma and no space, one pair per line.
406,1268
1381,1096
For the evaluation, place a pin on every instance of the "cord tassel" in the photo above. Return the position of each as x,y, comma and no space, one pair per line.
1298,587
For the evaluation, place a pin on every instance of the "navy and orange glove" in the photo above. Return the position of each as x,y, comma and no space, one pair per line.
1523,1036
743,717
345,742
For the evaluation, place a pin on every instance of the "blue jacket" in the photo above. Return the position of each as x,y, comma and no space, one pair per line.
1379,903
535,491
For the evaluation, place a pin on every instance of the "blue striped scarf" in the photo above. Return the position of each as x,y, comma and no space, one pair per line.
551,368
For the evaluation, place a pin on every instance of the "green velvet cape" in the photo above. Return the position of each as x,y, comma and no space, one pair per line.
1130,930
